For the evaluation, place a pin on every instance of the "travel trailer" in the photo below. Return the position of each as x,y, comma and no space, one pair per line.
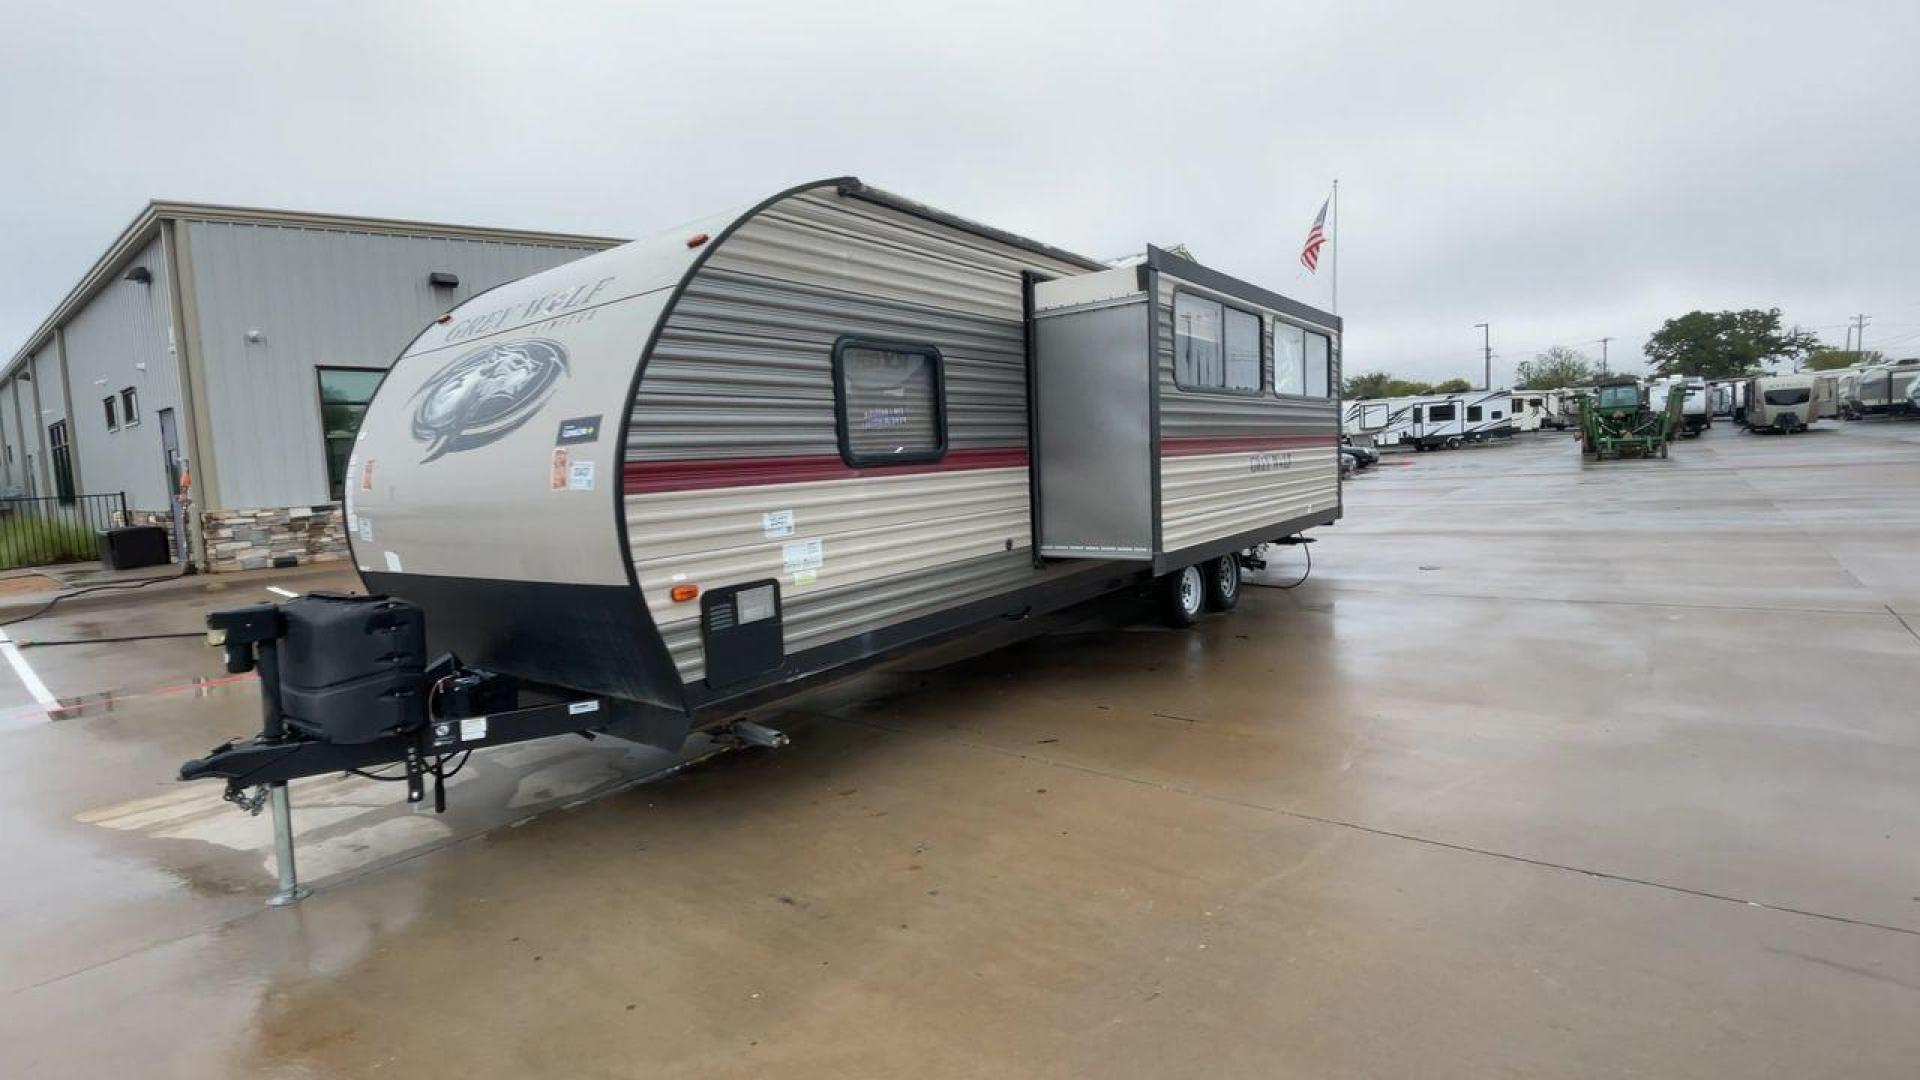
1696,407
701,472
1435,422
1489,415
1534,410
1879,388
1782,403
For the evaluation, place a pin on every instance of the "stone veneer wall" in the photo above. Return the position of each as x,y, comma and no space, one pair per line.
162,518
281,536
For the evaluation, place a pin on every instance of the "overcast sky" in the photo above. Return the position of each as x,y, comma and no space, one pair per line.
1565,172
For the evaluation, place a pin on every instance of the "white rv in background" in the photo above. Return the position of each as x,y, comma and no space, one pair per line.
1489,415
1880,388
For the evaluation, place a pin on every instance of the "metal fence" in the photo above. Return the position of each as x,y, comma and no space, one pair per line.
40,531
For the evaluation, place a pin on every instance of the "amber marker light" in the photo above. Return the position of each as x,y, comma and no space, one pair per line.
683,593
696,239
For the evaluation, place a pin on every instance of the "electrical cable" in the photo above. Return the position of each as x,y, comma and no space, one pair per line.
106,587
113,640
1302,580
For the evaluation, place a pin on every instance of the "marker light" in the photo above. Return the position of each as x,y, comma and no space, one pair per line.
683,593
696,239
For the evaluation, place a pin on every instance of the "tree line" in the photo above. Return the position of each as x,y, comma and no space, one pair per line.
1709,344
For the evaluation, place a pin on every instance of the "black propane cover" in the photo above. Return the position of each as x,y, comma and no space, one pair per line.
352,667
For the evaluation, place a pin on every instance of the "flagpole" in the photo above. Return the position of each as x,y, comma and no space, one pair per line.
1335,268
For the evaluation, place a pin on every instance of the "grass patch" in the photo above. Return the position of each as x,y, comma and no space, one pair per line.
27,540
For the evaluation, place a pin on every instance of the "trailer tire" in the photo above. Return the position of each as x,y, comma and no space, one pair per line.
1223,583
1182,596
1452,443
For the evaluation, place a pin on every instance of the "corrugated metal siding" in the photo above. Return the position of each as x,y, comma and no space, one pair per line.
45,366
1197,494
743,368
873,531
13,446
124,325
1204,497
320,298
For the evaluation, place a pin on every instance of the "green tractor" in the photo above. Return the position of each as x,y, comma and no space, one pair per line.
1617,420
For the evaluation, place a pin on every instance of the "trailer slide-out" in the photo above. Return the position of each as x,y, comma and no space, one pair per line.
643,492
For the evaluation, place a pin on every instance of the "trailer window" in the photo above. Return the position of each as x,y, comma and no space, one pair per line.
1790,396
1473,412
1289,359
890,402
1197,360
1439,412
1319,365
1243,350
344,393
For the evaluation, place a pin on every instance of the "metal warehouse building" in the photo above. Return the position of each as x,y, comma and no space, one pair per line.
214,363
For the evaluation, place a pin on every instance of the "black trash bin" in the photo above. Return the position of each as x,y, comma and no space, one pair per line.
134,545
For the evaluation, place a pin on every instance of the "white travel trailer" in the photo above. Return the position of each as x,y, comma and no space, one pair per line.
1537,409
696,473
1783,403
1879,388
1489,415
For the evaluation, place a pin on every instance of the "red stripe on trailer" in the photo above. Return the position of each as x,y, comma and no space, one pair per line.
1194,445
644,477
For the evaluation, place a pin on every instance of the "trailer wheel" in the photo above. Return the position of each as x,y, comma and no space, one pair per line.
1223,583
1182,596
1452,443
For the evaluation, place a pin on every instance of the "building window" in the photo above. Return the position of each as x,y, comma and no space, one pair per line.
889,401
62,460
113,418
130,406
1319,365
344,393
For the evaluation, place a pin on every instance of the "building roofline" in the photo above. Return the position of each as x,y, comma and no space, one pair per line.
145,226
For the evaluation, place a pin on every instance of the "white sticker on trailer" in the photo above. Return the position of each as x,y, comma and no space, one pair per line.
473,728
775,524
393,562
799,555
578,707
580,476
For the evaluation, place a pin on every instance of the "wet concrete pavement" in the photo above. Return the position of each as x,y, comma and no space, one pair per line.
1548,769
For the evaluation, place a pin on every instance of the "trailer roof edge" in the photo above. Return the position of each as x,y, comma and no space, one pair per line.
1162,259
853,187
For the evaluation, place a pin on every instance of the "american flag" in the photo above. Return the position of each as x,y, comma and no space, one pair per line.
1316,236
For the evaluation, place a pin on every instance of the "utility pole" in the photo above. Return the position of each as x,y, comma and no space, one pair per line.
1860,333
1486,348
1603,355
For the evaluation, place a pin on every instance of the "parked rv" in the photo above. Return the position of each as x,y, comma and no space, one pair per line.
666,482
1782,403
1489,415
1438,422
1880,388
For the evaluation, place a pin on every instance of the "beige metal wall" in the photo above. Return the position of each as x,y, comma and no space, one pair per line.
742,371
1211,496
